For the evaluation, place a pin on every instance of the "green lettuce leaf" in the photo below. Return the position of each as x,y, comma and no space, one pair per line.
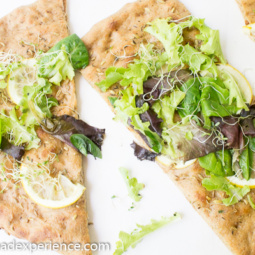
17,133
112,100
136,73
6,68
131,240
190,105
222,184
152,137
55,66
166,107
210,38
76,50
42,104
113,75
170,35
1,132
234,91
132,185
154,59
198,61
251,202
126,106
215,100
218,163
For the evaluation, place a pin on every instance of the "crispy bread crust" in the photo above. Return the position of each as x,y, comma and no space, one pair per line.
235,224
248,9
43,24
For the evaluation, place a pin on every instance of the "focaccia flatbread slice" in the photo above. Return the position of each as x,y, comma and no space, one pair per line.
124,31
248,9
24,31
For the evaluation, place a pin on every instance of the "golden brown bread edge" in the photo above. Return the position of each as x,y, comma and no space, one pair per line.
124,30
247,8
43,24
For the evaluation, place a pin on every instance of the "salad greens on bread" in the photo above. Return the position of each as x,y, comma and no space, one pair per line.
30,84
186,103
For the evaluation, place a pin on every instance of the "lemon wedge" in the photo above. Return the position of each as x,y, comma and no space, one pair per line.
241,182
250,30
24,75
241,81
167,162
54,193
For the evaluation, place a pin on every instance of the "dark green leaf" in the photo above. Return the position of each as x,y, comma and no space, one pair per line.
190,104
211,163
76,49
153,141
218,163
252,143
244,163
112,100
226,161
85,145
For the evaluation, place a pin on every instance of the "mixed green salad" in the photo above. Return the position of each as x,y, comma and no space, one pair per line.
187,103
28,86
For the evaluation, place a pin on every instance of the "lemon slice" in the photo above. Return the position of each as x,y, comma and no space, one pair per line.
166,161
47,191
241,81
24,75
241,182
250,30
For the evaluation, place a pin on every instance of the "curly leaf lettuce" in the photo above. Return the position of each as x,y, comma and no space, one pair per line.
222,184
210,38
170,35
126,106
42,104
152,137
131,240
235,94
166,107
136,73
197,61
17,133
132,185
55,66
112,75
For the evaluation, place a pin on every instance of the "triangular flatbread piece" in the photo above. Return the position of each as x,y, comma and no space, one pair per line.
248,9
120,35
28,29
